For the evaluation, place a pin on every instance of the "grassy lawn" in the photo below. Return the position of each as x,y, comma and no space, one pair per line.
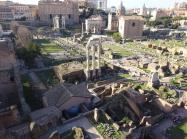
51,48
139,48
125,75
48,77
102,129
47,46
170,43
179,132
117,49
29,93
175,81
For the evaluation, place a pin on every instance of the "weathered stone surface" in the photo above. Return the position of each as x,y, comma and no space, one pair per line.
183,99
161,72
54,135
155,47
174,69
164,105
150,45
183,70
78,132
35,130
153,67
116,126
154,80
96,115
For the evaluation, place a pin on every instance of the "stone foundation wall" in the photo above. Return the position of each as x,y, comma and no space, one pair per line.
164,105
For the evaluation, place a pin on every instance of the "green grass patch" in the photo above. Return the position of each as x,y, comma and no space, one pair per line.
126,120
179,81
179,131
104,127
48,77
120,50
52,48
127,76
47,46
76,133
168,94
169,43
29,94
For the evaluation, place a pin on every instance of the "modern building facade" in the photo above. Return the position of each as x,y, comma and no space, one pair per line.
6,13
24,11
15,11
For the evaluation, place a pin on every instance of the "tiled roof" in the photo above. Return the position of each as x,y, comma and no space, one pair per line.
60,94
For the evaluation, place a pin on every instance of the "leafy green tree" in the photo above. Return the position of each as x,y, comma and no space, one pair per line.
28,54
117,37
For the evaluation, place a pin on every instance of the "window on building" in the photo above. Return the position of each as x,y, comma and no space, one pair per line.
50,16
133,24
69,16
100,4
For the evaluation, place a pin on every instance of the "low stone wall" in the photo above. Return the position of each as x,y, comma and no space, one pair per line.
68,68
164,105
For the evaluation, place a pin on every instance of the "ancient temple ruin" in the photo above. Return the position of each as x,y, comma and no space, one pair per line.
94,44
59,22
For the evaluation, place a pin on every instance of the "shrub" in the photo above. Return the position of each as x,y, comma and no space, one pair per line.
163,89
117,37
28,54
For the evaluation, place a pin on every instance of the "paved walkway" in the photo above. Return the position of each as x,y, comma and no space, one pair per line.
82,122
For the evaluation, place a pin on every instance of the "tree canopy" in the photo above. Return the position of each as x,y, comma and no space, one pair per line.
28,54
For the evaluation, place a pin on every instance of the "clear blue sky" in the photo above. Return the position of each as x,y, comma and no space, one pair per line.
127,3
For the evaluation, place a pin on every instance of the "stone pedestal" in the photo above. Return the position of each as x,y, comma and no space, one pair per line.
154,80
99,72
96,115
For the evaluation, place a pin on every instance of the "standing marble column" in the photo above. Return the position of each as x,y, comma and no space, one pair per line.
82,32
99,58
93,61
56,22
63,22
87,61
94,30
